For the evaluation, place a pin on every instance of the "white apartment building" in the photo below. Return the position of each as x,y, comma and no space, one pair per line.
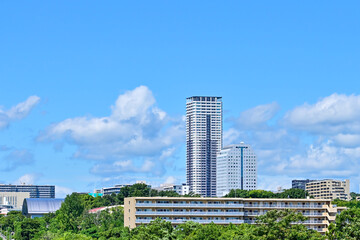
329,189
203,141
177,210
236,168
180,189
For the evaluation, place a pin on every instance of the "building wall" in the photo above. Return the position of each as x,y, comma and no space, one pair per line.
15,199
203,141
36,191
300,184
329,189
236,169
143,210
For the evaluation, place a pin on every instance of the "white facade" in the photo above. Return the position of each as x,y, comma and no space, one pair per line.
236,169
203,141
180,189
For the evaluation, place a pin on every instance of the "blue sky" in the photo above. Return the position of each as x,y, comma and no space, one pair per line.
93,94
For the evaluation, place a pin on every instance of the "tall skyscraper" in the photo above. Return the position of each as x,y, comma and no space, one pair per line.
203,141
235,169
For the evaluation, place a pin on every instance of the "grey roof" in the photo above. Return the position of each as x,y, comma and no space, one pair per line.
41,205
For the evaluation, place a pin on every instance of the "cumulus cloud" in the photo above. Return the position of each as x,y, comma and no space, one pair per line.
29,178
136,129
18,112
61,192
327,145
337,113
17,158
258,116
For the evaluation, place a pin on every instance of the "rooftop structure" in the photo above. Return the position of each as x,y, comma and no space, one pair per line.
33,207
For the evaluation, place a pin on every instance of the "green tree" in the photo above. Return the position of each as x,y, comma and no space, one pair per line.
284,224
27,229
67,216
348,224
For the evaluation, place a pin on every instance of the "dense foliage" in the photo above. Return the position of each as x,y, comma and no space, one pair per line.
287,193
73,221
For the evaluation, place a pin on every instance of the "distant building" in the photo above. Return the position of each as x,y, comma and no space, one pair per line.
300,184
329,189
39,207
235,169
203,141
36,191
116,189
14,199
180,189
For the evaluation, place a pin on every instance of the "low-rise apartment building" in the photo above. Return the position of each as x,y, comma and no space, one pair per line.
177,210
329,189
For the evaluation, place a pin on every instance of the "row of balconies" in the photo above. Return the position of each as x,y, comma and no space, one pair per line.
228,221
171,213
201,205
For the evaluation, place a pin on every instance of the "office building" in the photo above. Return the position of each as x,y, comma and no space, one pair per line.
300,184
203,141
329,189
143,210
235,169
14,199
36,191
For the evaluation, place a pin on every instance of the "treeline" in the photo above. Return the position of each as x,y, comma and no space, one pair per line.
72,221
136,190
287,193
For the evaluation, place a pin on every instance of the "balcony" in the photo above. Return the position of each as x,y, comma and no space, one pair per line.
153,213
189,205
282,206
179,221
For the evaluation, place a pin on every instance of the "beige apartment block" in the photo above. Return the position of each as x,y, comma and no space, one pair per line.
14,199
177,210
329,189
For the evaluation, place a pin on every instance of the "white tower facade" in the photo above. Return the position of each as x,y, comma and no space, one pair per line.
203,141
236,169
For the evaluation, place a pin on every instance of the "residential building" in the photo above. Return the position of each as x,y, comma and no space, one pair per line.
177,210
203,141
116,189
36,191
329,189
180,189
300,184
14,199
235,169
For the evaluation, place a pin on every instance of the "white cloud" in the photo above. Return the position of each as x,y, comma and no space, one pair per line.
61,192
258,116
337,113
328,146
27,179
170,180
18,112
135,129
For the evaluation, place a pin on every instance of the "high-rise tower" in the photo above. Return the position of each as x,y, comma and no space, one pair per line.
203,141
